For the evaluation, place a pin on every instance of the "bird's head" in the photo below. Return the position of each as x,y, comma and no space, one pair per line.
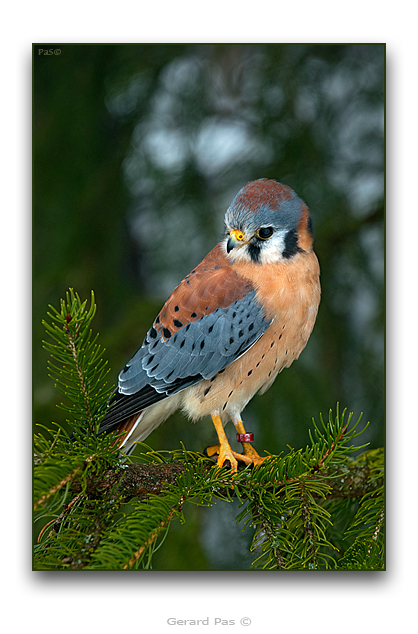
267,222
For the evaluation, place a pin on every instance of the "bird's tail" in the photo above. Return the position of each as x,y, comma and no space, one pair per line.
127,428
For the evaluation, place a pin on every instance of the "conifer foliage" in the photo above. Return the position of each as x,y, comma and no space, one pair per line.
317,508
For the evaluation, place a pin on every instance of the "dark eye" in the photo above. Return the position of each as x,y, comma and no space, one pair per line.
265,232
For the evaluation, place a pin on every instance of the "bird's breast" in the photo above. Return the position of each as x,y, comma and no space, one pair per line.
290,298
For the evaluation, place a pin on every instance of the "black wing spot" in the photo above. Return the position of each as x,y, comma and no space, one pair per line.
280,336
206,392
182,343
202,344
177,323
225,404
193,315
230,394
272,344
153,333
176,308
231,340
210,328
251,327
154,368
249,373
241,333
167,333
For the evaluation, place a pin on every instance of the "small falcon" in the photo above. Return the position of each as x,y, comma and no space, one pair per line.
240,317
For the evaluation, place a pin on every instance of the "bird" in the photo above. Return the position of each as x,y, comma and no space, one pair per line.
229,328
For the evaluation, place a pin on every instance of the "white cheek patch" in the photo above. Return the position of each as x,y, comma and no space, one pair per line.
272,249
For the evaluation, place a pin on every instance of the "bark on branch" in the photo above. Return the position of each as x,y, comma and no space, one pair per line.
140,480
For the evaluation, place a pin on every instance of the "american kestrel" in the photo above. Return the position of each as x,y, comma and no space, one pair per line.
240,317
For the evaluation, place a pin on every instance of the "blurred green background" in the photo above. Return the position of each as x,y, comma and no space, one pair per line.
137,152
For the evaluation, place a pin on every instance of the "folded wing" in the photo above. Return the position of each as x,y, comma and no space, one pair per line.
210,320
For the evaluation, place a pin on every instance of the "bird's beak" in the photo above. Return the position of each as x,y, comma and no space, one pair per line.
236,238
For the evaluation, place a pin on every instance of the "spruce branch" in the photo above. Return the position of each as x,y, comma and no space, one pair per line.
56,487
308,525
271,534
139,480
163,525
76,364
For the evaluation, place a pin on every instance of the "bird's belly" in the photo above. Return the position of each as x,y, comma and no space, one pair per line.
230,390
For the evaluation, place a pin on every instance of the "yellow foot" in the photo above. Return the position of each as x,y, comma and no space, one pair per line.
223,449
250,453
233,456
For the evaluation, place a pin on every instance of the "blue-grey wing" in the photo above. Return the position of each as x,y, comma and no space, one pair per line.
198,350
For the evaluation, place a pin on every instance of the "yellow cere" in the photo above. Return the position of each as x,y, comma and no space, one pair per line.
237,234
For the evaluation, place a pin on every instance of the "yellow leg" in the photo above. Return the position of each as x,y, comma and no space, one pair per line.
224,448
247,448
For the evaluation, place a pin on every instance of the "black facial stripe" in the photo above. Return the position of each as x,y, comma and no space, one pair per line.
310,226
254,251
291,244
